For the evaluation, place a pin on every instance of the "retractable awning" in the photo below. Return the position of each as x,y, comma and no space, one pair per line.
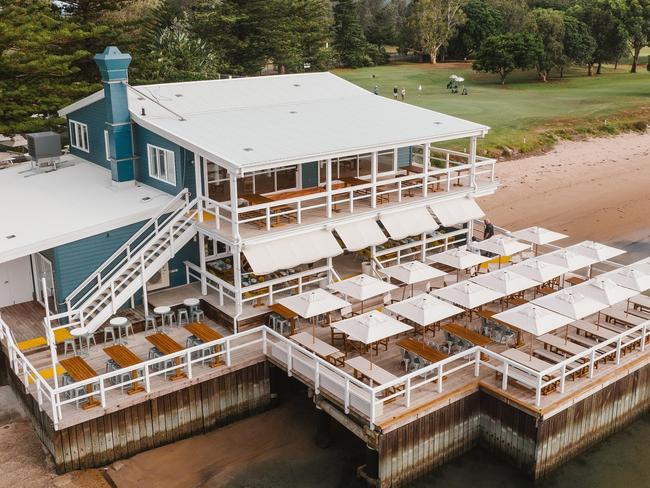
288,252
361,234
457,211
409,222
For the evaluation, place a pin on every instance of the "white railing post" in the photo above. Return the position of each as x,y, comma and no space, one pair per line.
346,402
299,212
267,213
477,363
289,359
562,377
618,350
440,378
102,392
373,178
113,308
504,380
228,353
316,377
188,358
592,363
373,408
328,188
538,393
264,341
399,191
643,334
147,379
408,392
425,169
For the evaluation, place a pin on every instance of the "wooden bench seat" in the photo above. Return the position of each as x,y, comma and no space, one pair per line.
558,358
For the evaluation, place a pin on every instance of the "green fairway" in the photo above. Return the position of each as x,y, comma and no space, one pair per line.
524,114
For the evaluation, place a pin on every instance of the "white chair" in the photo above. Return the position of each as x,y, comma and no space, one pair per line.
109,330
70,343
150,323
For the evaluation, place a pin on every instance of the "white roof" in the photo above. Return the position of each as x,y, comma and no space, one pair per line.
362,287
505,281
538,270
313,303
596,250
605,290
411,222
458,211
635,279
538,235
424,309
570,303
533,319
501,245
371,327
361,234
47,209
468,294
413,272
459,258
287,252
275,120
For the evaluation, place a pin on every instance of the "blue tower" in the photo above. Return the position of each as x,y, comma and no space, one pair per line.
113,66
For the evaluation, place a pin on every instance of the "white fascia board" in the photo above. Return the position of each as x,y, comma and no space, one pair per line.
95,97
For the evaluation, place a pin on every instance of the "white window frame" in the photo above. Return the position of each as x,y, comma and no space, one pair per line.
154,164
106,146
77,132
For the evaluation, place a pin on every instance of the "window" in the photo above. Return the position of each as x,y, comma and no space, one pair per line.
107,146
79,136
161,164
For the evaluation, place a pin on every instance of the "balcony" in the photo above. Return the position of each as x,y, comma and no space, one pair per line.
260,213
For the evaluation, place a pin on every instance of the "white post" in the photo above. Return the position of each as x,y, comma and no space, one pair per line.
425,169
408,392
49,333
145,298
477,363
236,267
643,334
618,350
562,377
423,252
592,363
328,187
504,380
373,179
234,215
472,161
470,233
440,375
204,280
199,185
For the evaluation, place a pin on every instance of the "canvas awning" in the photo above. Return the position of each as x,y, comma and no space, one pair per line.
361,234
409,222
288,252
457,211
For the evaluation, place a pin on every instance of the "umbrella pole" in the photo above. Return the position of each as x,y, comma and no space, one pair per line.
532,338
566,334
313,329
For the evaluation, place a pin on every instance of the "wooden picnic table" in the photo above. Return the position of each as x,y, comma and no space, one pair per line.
416,169
322,348
167,345
575,280
124,358
593,329
364,369
545,290
619,316
561,344
259,199
285,313
205,333
467,335
80,370
640,302
526,359
422,350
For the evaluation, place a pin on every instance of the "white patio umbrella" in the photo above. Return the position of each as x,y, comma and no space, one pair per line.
634,279
568,259
505,281
596,250
605,290
538,270
424,309
413,272
467,294
572,304
371,327
313,303
362,287
533,319
501,245
458,258
538,236
642,266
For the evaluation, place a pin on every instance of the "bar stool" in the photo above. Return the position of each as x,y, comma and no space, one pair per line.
182,316
81,334
109,329
150,323
170,318
70,343
197,315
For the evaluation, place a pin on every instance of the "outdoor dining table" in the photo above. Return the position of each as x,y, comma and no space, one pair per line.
526,359
364,369
421,350
575,280
488,315
621,317
285,313
167,345
122,323
469,336
640,302
124,358
80,370
594,330
205,333
560,344
321,348
415,169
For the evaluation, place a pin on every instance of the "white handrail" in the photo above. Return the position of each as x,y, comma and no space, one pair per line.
126,247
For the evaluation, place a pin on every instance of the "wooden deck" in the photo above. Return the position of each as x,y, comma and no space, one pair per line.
26,320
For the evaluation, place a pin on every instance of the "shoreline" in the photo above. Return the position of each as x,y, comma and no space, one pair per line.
594,189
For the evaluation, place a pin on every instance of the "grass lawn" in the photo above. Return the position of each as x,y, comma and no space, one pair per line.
525,115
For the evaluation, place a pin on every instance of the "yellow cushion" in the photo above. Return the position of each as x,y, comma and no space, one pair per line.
47,372
32,343
61,335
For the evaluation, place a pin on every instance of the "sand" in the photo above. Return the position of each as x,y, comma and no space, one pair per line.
595,189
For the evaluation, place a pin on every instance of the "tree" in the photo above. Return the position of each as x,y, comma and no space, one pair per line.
38,71
579,45
605,19
549,25
381,27
505,53
433,23
349,40
482,20
515,14
637,23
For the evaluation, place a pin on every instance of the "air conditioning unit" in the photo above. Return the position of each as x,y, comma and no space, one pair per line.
44,148
160,279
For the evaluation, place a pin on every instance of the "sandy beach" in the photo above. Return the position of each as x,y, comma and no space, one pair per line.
595,189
